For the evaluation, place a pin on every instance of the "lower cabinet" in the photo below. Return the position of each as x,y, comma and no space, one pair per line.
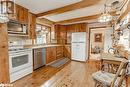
54,53
59,52
50,54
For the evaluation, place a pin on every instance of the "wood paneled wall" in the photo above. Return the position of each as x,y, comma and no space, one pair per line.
4,62
80,27
63,32
32,26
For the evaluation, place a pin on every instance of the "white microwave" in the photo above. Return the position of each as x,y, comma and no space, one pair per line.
15,27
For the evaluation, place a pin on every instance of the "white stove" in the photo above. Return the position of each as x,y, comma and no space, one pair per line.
20,62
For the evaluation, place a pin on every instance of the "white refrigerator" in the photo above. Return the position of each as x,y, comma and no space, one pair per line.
79,46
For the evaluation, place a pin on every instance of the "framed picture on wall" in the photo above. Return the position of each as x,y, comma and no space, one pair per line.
98,37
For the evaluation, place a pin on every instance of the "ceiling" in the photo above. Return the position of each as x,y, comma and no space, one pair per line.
46,5
92,10
38,6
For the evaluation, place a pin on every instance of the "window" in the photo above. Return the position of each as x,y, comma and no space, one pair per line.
124,39
43,32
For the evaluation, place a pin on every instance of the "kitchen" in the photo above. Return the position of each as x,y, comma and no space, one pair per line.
46,44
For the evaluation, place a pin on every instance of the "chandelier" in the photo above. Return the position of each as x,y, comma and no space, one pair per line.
6,9
105,16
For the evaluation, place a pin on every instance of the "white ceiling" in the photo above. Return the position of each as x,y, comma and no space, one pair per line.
46,5
92,10
38,6
88,11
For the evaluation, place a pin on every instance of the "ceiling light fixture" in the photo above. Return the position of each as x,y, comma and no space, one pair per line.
7,8
105,16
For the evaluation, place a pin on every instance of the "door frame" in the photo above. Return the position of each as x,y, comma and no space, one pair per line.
89,30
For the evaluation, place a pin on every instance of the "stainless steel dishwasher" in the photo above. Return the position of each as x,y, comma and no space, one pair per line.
39,57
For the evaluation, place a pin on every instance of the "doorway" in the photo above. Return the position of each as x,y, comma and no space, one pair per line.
100,41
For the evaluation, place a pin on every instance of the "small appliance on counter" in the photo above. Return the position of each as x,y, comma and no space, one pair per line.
20,62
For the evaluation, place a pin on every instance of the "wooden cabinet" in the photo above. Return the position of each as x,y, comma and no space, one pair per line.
59,52
54,53
21,14
32,26
50,54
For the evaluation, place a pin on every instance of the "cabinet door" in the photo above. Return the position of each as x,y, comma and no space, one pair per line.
15,13
59,52
21,14
53,54
50,54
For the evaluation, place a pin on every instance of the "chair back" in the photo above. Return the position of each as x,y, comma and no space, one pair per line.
121,73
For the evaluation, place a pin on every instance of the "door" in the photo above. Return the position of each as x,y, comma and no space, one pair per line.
78,51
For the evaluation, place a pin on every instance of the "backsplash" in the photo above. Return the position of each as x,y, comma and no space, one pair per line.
17,40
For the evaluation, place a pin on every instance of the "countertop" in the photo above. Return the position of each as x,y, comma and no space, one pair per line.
108,56
41,46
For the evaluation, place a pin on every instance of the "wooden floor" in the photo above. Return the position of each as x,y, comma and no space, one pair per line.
73,74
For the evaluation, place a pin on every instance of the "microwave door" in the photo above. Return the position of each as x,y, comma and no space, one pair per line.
16,28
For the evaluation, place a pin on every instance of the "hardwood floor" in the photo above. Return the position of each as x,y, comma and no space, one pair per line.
72,74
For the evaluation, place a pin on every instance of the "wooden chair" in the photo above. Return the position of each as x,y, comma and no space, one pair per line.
106,79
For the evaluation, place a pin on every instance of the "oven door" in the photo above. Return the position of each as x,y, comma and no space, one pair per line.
20,60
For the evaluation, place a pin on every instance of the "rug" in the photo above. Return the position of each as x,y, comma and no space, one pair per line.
59,63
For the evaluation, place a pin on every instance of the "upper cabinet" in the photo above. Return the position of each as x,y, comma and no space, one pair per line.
21,14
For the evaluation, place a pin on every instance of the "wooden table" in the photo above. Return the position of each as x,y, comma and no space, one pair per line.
112,63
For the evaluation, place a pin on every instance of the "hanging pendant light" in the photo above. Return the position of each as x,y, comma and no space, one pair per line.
7,8
105,17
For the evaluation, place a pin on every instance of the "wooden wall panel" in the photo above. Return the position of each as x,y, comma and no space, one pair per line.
32,26
67,51
63,33
60,31
4,62
81,27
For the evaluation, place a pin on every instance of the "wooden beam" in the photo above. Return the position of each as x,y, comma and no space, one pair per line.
78,5
86,18
79,19
126,12
100,27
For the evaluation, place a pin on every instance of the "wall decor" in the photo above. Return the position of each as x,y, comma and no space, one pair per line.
98,37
